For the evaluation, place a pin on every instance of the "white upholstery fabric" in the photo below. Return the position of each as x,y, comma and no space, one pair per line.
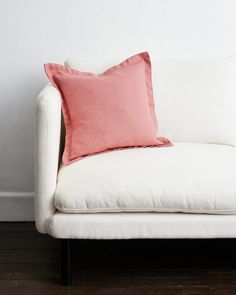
217,164
47,152
188,177
141,225
195,99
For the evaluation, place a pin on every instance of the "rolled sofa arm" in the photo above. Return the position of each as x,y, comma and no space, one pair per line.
47,153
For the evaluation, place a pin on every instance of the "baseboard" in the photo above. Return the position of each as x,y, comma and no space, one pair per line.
16,206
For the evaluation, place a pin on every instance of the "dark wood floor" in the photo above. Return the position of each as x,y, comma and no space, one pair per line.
29,264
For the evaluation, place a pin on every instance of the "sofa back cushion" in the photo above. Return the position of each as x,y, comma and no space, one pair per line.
196,99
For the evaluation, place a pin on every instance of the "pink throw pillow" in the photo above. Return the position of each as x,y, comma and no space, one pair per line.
109,111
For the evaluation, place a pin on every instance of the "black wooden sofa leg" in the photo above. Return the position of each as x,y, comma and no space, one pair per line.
65,262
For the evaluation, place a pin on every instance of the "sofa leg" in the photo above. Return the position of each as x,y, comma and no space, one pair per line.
65,262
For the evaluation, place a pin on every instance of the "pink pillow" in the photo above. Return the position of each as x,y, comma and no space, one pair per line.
109,111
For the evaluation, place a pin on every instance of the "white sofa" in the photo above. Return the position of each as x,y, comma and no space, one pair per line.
184,191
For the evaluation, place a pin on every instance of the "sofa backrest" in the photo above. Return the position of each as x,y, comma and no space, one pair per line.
195,99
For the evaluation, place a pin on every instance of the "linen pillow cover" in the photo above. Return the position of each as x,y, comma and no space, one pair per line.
108,111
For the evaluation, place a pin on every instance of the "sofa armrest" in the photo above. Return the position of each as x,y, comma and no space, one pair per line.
47,153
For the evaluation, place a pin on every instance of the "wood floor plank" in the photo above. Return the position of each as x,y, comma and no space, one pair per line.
30,263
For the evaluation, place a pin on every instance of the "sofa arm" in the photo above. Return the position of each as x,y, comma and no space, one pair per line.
47,153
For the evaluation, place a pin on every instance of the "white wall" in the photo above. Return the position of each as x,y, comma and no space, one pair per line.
33,32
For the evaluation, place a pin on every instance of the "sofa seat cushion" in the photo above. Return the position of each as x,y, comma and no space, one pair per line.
188,177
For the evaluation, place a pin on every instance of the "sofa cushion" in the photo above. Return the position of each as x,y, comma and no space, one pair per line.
196,98
189,177
108,111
